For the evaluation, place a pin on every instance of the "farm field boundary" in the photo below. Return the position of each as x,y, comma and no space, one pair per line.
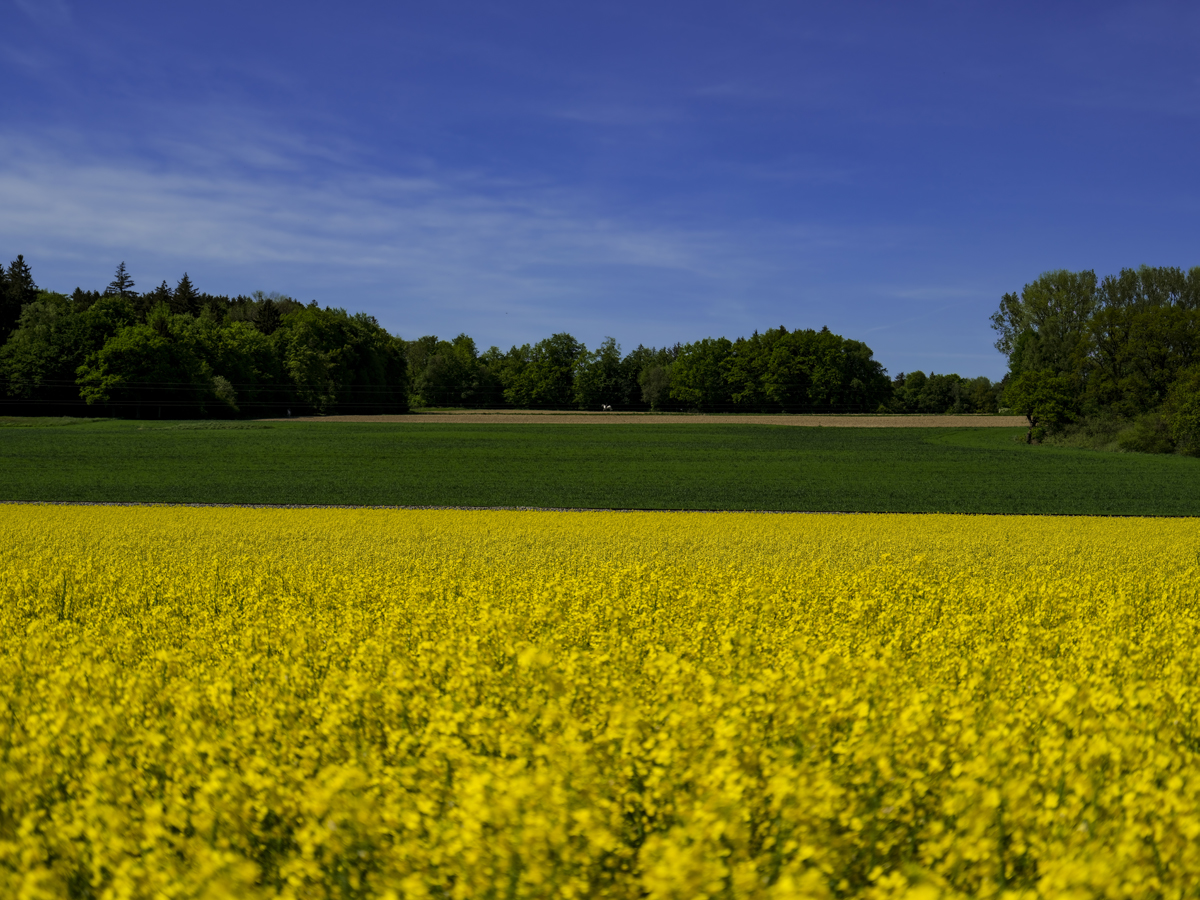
645,466
595,510
550,417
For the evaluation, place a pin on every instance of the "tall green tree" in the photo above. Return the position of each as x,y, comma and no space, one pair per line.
342,363
445,373
1182,409
1145,330
122,284
146,372
5,315
160,295
542,376
54,337
268,316
632,366
19,289
654,381
184,299
1046,326
598,378
698,375
1046,398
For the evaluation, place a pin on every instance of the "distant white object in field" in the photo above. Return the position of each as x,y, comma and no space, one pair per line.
605,407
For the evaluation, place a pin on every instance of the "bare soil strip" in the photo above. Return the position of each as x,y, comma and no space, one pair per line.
501,417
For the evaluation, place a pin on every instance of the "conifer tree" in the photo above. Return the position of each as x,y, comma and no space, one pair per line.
3,302
16,289
122,285
185,299
268,316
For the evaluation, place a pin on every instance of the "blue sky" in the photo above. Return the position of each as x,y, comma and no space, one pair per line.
654,171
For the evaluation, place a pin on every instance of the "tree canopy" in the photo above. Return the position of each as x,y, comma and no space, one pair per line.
1108,356
183,353
174,352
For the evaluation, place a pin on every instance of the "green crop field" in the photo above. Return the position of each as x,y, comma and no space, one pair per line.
646,466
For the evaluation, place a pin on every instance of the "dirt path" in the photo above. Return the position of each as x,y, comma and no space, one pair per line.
505,417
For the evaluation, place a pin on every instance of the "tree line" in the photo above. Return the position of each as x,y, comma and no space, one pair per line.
776,371
178,352
1112,362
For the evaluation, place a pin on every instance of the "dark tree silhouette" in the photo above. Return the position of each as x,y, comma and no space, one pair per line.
121,285
16,289
185,299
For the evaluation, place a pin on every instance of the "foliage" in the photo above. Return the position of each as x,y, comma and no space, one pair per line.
17,289
143,365
599,380
542,376
804,371
778,371
698,375
324,360
53,339
341,362
1146,331
916,392
1107,352
1045,398
450,373
655,382
1052,314
184,353
1149,433
1182,409
122,284
315,703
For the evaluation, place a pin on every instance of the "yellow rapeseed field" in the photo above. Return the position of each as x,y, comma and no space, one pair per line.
372,703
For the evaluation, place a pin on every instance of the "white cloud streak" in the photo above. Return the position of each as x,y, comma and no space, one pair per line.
425,250
458,244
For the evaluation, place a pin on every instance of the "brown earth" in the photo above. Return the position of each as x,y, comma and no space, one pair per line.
506,417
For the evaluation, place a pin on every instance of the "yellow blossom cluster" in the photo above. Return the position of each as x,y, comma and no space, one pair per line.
408,704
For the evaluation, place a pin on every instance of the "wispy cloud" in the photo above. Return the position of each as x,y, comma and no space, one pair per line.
244,202
462,244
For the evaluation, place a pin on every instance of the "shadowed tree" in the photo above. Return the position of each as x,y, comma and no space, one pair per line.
8,321
598,377
16,290
54,338
185,300
122,283
655,383
542,376
698,375
149,300
267,317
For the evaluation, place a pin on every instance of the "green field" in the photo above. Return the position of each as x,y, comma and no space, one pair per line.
980,470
